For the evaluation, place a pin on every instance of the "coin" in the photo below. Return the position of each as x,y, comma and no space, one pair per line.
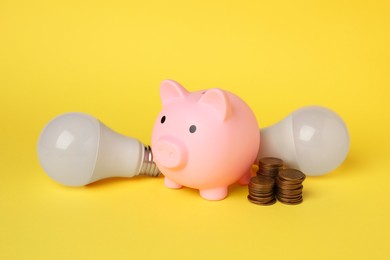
286,184
261,190
269,166
270,161
289,188
261,200
262,181
294,196
291,202
292,175
272,201
260,194
289,192
272,182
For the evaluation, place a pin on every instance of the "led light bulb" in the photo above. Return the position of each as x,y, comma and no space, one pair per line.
76,149
312,139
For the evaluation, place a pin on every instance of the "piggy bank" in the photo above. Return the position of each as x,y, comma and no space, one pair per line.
205,140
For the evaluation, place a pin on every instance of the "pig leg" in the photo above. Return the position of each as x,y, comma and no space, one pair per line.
214,194
171,184
245,179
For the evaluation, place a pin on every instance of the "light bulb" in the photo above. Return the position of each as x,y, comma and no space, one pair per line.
76,149
312,139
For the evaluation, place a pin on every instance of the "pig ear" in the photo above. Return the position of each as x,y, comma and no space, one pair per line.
171,90
219,101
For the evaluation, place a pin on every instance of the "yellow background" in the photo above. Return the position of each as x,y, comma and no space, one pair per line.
107,58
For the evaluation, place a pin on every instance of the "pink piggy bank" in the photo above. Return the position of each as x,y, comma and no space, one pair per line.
206,140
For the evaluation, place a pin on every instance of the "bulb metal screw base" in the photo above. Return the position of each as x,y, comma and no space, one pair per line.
149,167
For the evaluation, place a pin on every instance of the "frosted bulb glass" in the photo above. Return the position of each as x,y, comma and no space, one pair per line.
312,139
76,149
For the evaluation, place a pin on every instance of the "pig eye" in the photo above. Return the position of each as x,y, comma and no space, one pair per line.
192,129
163,119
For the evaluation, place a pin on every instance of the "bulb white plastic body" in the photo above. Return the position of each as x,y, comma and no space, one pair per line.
76,149
312,139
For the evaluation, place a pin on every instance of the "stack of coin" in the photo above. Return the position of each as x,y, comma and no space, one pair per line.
289,186
261,190
269,166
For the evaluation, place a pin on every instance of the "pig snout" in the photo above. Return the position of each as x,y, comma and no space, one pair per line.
170,153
